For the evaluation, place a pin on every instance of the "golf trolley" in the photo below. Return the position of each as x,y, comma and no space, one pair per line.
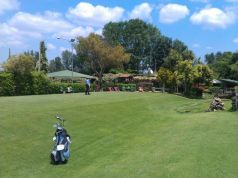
60,152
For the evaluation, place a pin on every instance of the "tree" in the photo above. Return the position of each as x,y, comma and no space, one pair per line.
202,74
210,58
183,50
56,65
165,76
161,51
98,55
188,55
172,59
234,71
52,66
223,64
137,37
179,46
21,64
21,67
42,64
34,54
66,59
185,73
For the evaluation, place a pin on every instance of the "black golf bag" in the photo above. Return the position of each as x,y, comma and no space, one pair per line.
60,152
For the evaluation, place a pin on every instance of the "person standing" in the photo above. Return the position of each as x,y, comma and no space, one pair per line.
87,85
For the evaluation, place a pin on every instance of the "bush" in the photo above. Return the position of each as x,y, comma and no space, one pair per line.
214,90
126,87
35,83
7,85
57,87
40,83
78,87
194,93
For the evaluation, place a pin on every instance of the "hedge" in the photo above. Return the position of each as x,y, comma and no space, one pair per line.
7,85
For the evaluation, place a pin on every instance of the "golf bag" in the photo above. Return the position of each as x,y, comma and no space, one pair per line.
60,152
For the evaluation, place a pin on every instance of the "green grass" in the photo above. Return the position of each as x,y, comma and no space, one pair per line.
119,135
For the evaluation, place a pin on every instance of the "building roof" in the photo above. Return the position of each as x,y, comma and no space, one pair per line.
215,81
66,74
229,81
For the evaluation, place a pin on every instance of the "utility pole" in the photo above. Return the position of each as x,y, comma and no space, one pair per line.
9,52
71,41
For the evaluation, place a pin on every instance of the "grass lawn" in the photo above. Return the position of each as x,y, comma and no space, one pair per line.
119,135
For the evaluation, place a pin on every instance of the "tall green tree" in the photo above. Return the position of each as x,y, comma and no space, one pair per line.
56,65
172,59
137,37
202,74
34,54
179,46
99,55
183,50
160,51
165,76
223,64
185,74
42,64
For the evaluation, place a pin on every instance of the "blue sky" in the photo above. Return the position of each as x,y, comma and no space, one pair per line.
204,25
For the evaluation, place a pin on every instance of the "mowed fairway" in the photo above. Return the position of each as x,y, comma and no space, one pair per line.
118,135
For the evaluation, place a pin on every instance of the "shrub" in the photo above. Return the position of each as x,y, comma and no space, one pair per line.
194,93
78,87
214,90
7,85
40,83
127,87
57,87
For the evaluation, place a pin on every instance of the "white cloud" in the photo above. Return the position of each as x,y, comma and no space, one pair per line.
213,18
235,40
46,23
171,13
12,36
24,27
142,11
50,46
88,15
6,5
74,32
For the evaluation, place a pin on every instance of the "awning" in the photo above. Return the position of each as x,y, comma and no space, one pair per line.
66,74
